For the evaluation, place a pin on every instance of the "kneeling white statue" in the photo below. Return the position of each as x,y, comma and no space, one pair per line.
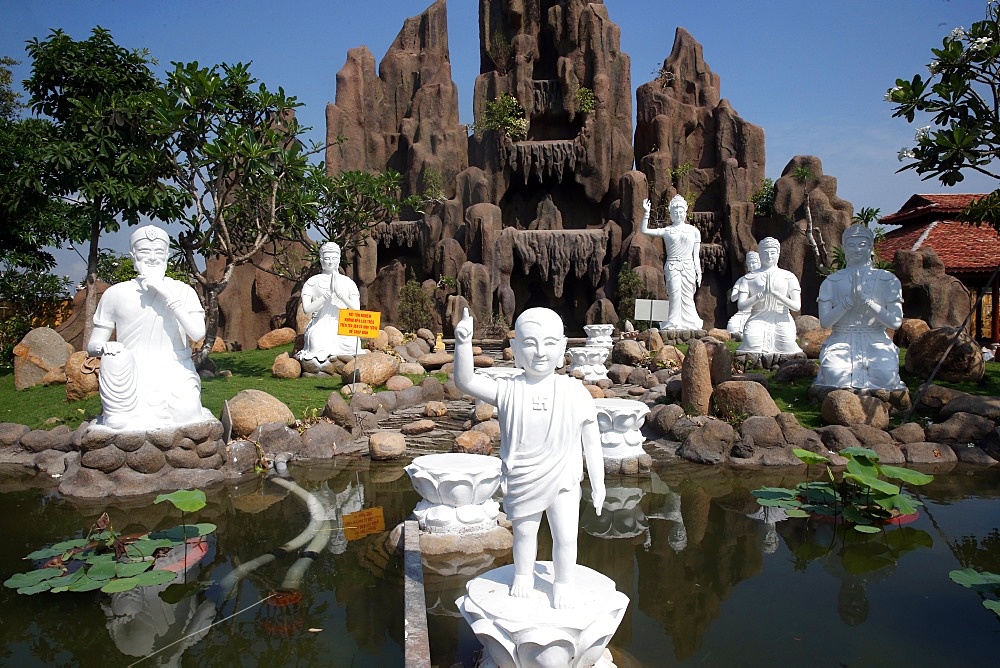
858,304
740,292
147,377
323,296
771,294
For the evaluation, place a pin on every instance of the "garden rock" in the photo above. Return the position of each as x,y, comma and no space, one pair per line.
52,462
473,442
911,432
963,364
251,408
397,383
411,396
241,457
928,453
960,428
795,369
619,373
147,459
40,358
373,368
387,400
969,453
638,376
708,444
434,361
662,417
812,341
11,433
762,432
491,428
836,437
668,357
351,389
276,337
720,360
435,409
426,335
432,389
908,332
868,435
81,376
323,440
736,399
418,427
595,391
988,407
846,408
888,453
779,457
411,369
286,367
365,402
720,334
60,438
696,379
277,437
629,352
394,336
798,436
806,323
338,410
385,445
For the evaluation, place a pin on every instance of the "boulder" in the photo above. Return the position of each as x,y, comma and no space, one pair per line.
662,417
629,352
964,363
385,445
432,361
762,432
928,453
911,432
812,341
40,358
397,383
323,439
737,399
709,444
276,337
988,407
277,437
846,408
720,360
668,357
338,410
928,292
435,409
251,408
909,331
836,437
473,442
418,427
81,376
373,368
433,389
286,366
960,428
696,379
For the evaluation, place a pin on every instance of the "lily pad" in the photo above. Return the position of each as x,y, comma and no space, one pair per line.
147,579
185,500
980,581
31,578
128,570
180,533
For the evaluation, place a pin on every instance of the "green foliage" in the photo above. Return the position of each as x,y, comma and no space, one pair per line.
96,154
504,115
802,174
586,100
763,199
415,308
866,215
629,289
184,500
863,497
501,52
448,283
113,267
433,186
27,299
983,582
104,560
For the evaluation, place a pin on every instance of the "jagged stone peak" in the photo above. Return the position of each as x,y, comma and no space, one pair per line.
426,32
686,74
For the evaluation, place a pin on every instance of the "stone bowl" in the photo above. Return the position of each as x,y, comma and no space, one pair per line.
455,479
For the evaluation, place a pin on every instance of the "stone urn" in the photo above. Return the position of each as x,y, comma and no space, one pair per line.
457,492
599,335
589,360
620,422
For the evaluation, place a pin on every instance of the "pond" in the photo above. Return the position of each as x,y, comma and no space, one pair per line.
712,579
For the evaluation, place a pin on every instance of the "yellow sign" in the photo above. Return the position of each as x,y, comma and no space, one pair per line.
360,524
359,323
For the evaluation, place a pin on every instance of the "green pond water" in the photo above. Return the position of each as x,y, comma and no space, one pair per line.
713,581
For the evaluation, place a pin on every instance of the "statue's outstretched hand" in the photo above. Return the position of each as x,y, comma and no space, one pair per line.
463,330
598,496
646,206
112,347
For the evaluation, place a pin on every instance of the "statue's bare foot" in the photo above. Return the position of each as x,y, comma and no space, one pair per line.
523,585
563,596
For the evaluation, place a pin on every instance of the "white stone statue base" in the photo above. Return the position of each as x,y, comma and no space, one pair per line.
457,490
589,361
530,632
599,335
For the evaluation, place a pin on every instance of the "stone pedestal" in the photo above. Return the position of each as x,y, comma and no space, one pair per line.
621,515
457,491
589,361
599,335
530,632
620,422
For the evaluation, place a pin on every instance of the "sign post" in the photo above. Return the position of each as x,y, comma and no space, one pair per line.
360,324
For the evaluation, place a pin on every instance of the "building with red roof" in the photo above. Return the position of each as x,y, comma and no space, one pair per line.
969,253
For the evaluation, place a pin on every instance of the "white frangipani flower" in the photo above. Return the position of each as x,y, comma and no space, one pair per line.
922,134
906,153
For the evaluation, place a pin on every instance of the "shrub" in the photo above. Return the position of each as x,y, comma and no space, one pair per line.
415,308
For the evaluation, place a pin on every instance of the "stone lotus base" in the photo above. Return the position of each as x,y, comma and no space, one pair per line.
457,491
620,422
621,515
599,335
129,463
589,362
530,632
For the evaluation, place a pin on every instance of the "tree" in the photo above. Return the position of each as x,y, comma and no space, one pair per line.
962,96
29,220
97,157
236,158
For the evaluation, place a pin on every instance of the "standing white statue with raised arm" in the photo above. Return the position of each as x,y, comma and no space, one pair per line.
323,295
742,291
682,267
147,377
858,303
772,294
546,421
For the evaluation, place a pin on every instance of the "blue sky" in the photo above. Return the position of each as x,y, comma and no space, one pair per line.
812,74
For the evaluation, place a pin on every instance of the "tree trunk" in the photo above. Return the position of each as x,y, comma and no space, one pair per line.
90,304
211,322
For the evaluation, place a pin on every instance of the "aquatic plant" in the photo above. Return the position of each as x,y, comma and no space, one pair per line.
106,560
861,496
982,581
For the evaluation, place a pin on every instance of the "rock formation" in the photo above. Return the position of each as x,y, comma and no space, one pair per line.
929,294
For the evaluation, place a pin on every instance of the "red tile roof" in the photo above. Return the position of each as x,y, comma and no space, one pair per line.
961,247
937,206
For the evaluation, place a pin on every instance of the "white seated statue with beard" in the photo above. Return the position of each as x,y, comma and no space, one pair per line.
147,377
